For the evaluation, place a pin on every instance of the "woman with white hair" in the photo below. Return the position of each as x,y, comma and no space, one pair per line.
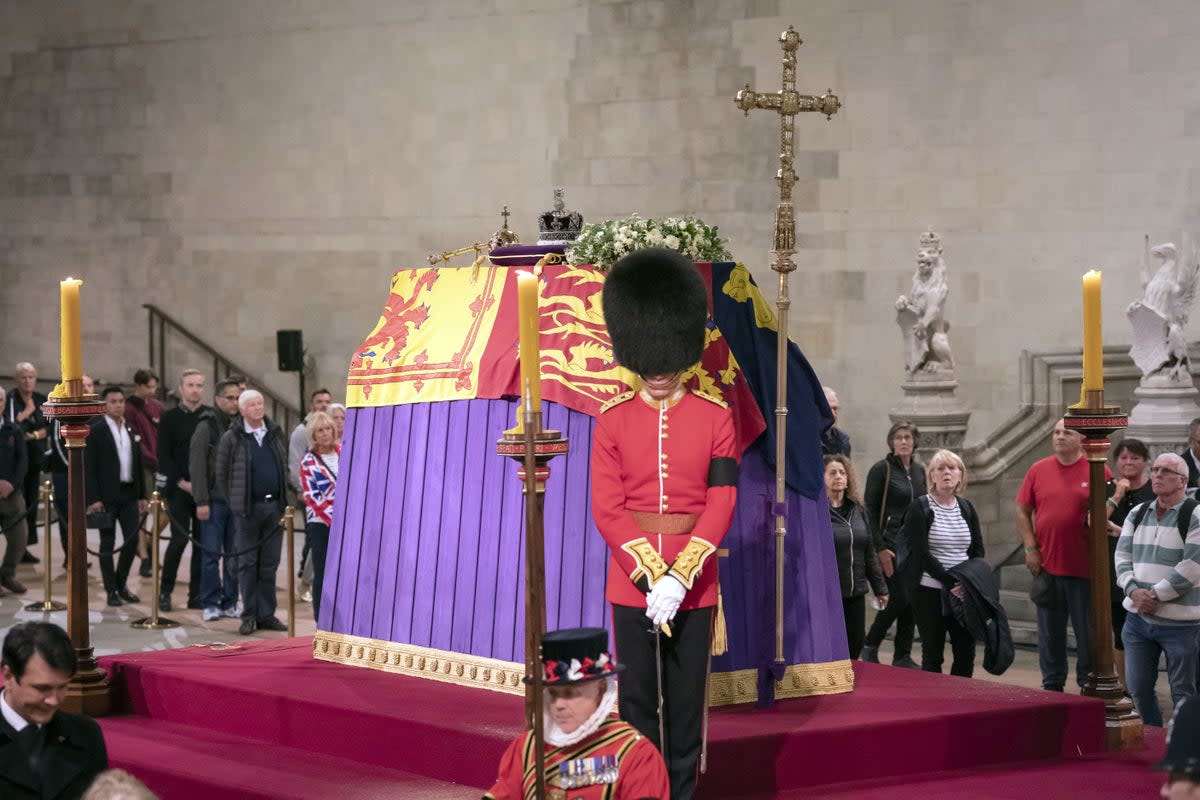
941,531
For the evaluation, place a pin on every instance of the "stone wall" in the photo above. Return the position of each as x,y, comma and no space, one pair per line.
250,165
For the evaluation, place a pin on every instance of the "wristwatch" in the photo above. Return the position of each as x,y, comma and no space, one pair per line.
1031,548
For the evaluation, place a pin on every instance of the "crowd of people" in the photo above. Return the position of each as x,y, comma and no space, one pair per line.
224,472
916,543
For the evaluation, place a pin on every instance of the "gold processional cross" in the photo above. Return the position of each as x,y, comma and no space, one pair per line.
788,103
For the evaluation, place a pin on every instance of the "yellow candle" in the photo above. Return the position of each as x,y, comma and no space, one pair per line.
72,348
527,314
1093,343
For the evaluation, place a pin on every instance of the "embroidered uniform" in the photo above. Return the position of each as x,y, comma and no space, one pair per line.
614,763
664,484
651,466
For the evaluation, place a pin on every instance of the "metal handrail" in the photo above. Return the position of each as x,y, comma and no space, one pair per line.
160,322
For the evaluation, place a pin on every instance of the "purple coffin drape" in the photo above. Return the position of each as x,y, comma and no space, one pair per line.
427,542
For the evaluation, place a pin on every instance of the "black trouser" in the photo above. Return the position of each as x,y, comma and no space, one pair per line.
899,613
935,623
61,489
683,680
182,509
30,487
14,526
854,609
258,540
124,512
316,536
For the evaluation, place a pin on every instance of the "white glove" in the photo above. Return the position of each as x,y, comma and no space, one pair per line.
664,599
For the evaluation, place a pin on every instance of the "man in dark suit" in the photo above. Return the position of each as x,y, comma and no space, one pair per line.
114,486
13,463
45,754
1191,453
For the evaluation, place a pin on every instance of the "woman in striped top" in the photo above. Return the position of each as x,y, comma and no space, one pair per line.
941,530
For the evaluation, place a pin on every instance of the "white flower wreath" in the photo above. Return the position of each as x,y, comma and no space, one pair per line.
602,243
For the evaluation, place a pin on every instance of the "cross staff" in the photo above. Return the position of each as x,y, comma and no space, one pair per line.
787,102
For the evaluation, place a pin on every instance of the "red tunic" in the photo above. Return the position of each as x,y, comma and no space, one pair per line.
647,459
641,772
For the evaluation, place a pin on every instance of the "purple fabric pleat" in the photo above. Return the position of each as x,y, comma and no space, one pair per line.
427,544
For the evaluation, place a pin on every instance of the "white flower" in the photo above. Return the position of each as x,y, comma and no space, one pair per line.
672,242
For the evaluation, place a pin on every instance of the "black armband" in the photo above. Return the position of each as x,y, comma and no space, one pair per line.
723,471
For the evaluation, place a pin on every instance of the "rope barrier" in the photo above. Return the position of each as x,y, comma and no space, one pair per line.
175,524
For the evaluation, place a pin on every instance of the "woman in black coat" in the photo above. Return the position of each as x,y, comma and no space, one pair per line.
858,568
892,484
941,530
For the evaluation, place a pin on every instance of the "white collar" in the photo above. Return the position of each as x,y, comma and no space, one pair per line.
246,425
14,719
555,737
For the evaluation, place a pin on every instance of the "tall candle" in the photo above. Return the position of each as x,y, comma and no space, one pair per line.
527,314
72,348
1093,343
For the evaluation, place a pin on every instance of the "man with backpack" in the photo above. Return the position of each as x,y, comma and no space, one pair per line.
1158,569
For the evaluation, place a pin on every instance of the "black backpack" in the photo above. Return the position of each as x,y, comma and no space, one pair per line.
1185,515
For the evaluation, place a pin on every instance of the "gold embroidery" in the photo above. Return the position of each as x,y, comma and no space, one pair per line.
690,560
648,560
710,398
616,401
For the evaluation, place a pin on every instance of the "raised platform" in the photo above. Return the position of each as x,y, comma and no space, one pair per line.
266,720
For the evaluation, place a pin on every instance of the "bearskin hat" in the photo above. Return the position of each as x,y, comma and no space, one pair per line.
656,308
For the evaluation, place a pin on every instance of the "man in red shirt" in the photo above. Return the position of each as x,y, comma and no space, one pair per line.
664,483
1052,509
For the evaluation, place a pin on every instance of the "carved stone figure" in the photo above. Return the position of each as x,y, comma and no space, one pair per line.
920,313
1159,317
559,224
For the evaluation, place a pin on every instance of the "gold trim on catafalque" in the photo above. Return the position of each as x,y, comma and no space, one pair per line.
461,669
415,661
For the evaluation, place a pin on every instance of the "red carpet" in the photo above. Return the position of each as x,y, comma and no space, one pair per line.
266,720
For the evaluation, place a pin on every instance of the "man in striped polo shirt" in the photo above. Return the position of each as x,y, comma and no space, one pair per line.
1158,569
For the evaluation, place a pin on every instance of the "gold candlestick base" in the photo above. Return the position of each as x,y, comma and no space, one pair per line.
1095,422
88,690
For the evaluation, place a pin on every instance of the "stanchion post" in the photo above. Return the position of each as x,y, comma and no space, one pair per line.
289,530
154,622
88,690
1096,421
48,604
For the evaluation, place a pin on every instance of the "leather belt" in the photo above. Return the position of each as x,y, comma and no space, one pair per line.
667,524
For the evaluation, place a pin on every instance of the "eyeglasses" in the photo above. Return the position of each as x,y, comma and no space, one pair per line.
1161,470
230,397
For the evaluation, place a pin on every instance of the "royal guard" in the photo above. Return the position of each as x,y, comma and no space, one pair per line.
589,752
664,483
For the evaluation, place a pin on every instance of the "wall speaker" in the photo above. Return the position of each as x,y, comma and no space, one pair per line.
290,347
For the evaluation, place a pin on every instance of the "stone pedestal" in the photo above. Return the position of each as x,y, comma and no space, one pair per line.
930,404
1161,415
